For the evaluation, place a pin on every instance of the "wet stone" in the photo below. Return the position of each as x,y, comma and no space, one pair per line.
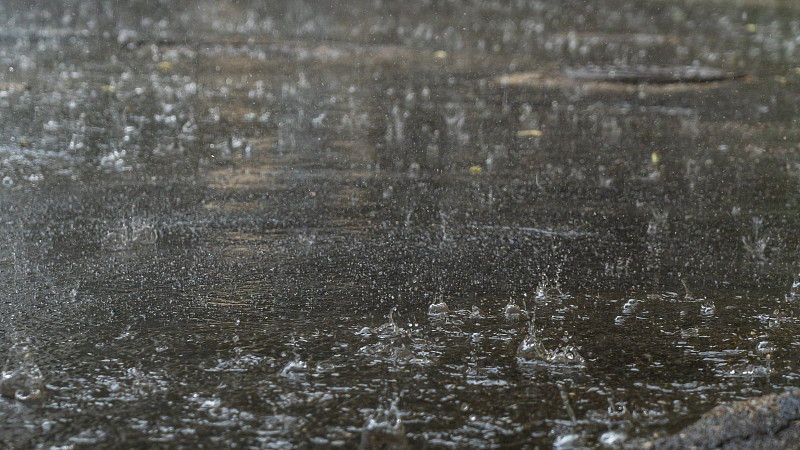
771,421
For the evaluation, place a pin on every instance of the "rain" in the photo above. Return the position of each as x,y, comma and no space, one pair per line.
423,224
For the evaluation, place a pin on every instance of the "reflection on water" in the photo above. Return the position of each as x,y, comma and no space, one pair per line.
441,224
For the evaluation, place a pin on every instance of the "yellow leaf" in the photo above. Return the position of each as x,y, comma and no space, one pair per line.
475,170
165,65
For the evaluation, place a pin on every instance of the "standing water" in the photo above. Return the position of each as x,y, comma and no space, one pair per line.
429,224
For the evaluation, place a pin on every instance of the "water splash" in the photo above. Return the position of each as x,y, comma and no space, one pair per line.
384,429
532,348
239,363
438,309
136,231
756,244
794,291
389,327
294,370
613,438
708,308
512,311
476,313
21,378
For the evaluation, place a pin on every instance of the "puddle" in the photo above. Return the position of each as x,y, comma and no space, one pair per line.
293,225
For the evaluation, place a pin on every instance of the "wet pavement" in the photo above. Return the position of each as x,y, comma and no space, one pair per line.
437,223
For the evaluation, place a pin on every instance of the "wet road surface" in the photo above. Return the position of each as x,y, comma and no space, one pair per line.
445,224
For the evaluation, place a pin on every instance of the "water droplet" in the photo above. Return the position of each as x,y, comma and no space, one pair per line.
512,311
439,308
